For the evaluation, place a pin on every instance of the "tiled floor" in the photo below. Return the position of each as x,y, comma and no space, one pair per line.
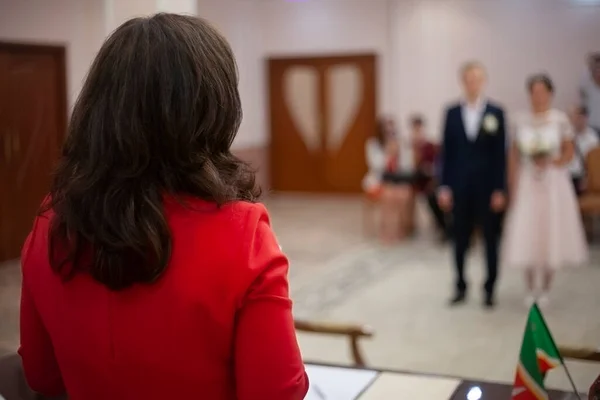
338,275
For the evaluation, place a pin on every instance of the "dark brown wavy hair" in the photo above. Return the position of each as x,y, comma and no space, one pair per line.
156,116
381,133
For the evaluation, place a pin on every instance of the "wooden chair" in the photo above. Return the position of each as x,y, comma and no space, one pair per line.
581,354
12,381
14,386
372,221
353,332
371,206
589,201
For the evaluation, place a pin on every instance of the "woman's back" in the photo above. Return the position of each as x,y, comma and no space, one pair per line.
151,272
176,338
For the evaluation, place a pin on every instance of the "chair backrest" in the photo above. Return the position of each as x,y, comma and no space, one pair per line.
12,381
592,166
353,332
579,353
13,385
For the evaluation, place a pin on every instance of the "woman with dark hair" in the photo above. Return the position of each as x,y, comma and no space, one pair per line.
151,272
544,231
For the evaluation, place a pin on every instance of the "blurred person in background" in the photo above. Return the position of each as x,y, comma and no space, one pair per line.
443,218
152,272
585,139
426,155
398,179
544,231
590,92
375,155
473,176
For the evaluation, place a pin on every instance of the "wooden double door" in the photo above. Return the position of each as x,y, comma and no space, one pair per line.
32,127
322,110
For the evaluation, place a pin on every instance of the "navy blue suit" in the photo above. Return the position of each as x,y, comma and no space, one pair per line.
474,169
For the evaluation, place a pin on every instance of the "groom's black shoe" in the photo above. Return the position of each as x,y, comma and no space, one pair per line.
488,301
459,298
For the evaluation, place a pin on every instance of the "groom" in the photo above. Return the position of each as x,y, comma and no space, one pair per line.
474,176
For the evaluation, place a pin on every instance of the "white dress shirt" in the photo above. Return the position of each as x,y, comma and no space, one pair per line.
472,113
584,142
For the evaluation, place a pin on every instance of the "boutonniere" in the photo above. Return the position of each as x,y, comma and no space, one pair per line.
490,124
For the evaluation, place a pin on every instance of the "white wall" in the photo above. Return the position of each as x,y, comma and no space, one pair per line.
118,11
80,25
177,6
259,29
420,43
513,38
239,22
329,27
77,24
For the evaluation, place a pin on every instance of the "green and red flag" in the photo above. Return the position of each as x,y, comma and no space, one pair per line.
539,354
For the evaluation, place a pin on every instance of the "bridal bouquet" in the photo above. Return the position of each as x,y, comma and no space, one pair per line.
536,149
539,151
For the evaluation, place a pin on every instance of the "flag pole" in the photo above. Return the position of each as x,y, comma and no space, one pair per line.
570,379
562,360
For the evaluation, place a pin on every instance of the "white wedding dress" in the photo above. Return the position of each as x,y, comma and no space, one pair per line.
544,227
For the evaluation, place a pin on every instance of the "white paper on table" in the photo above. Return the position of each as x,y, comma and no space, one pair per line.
413,387
336,383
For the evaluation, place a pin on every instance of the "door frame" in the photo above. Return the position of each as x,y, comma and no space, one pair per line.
59,53
273,60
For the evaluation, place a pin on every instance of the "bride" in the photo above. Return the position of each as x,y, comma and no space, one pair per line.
544,231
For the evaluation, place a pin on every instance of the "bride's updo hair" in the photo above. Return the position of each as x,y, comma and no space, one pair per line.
540,78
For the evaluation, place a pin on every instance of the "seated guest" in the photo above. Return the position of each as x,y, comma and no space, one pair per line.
376,159
151,271
397,179
585,140
590,92
426,157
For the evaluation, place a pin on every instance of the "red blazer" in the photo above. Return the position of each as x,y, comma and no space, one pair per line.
216,326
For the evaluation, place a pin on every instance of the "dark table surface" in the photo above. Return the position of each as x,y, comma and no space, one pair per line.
486,390
13,386
500,391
